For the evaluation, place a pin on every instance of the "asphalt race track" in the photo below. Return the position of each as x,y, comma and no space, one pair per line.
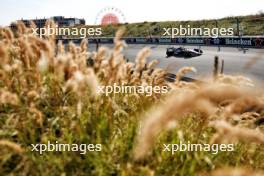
234,60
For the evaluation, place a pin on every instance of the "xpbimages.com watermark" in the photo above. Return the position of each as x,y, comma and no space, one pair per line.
189,147
194,31
59,147
146,90
81,32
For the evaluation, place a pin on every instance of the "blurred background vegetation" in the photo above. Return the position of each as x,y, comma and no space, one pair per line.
247,25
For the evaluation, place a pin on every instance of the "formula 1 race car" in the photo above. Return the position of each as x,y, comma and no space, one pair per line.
183,52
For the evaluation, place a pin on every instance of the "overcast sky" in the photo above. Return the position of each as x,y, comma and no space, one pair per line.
134,10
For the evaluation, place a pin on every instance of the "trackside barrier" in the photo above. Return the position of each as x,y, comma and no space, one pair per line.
250,42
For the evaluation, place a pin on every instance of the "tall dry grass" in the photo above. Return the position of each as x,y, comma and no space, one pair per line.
48,92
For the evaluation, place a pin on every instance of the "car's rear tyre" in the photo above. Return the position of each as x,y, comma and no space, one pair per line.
198,50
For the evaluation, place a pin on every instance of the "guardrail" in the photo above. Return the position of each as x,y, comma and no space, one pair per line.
250,42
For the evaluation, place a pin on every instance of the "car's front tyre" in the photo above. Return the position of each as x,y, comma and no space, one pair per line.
169,54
